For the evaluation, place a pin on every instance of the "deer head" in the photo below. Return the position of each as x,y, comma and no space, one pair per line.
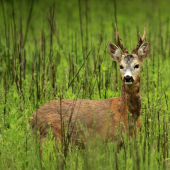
130,63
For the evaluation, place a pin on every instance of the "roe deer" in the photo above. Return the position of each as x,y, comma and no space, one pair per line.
81,116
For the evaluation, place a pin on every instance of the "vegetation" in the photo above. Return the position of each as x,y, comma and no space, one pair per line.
51,50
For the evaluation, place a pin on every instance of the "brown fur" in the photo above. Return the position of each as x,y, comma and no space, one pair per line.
102,117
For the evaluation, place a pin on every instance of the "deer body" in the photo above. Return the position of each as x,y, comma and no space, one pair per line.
104,117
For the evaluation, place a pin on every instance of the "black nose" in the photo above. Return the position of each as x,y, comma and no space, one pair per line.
128,79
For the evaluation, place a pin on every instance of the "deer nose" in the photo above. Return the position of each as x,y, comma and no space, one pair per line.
128,79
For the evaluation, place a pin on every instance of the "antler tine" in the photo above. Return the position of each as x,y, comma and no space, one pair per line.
117,34
140,41
144,32
118,41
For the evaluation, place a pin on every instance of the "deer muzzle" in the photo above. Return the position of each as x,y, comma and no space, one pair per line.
128,79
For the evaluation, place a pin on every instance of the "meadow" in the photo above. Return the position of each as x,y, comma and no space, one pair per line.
58,49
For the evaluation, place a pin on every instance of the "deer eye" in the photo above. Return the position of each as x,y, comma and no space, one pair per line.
121,67
136,66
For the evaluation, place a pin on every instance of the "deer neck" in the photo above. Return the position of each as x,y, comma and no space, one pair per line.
131,98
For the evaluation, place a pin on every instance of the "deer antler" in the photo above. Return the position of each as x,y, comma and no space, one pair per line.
118,41
140,41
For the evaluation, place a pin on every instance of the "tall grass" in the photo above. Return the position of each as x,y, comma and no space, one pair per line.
51,50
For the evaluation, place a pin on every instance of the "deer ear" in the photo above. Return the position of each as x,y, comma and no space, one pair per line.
114,52
143,51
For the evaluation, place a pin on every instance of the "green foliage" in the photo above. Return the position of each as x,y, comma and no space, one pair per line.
58,49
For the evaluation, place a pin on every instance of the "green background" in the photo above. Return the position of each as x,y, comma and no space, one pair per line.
58,49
